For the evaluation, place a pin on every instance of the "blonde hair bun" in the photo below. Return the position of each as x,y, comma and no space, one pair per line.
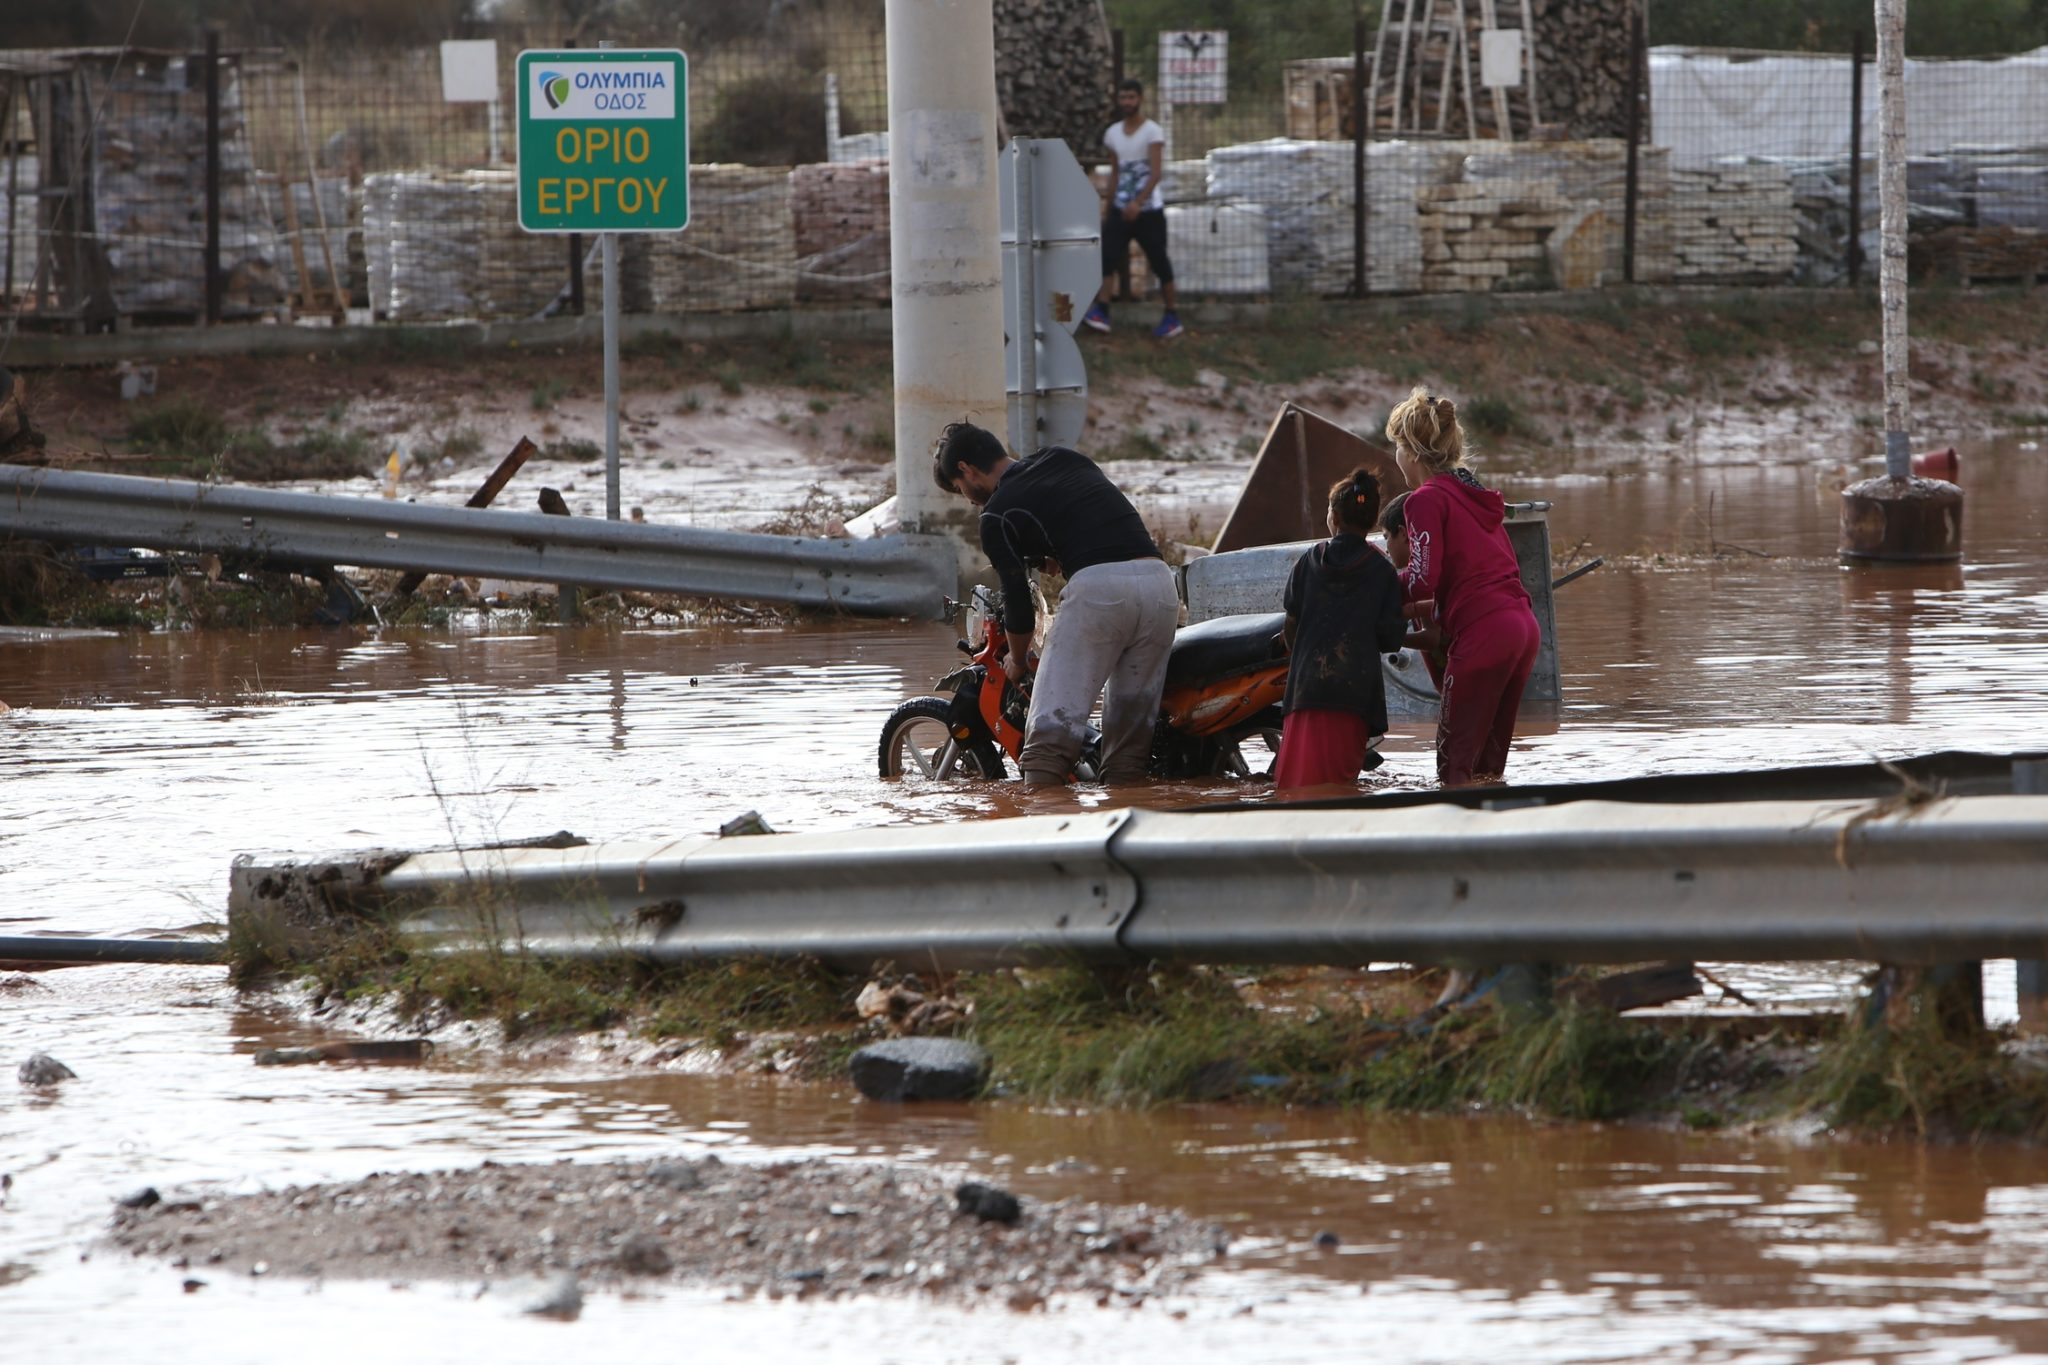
1427,428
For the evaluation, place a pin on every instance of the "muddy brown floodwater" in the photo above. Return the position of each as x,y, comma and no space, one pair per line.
1722,633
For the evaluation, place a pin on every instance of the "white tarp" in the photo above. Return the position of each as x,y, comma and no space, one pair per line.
1704,106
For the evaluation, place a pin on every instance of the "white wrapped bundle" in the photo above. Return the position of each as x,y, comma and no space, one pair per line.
1218,248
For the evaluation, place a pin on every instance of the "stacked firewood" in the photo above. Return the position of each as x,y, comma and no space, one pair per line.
1053,71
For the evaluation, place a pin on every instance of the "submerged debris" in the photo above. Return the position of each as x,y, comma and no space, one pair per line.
42,1071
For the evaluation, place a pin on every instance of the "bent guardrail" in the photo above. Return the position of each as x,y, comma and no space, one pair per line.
891,576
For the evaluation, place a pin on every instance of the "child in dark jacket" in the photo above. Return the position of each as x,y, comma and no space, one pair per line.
1343,606
1459,558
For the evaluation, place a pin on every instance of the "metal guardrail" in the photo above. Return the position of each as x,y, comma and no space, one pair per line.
894,576
1952,880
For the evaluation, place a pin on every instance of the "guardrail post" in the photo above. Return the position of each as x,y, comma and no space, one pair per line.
1526,986
2030,778
568,597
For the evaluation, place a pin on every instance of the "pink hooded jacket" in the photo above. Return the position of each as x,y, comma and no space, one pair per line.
1458,552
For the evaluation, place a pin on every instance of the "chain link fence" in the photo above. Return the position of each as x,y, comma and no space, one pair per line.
1508,145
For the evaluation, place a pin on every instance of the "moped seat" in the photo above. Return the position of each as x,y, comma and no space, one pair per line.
1225,645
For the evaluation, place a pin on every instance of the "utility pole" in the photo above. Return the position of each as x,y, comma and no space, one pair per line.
945,252
1897,518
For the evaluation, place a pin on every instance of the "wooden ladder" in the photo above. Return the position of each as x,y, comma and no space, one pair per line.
1424,70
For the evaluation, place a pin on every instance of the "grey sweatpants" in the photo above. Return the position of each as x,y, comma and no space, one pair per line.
1115,626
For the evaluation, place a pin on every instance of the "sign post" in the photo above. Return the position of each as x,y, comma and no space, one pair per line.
604,146
1051,221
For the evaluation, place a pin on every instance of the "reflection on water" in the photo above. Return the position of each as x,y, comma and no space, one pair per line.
135,768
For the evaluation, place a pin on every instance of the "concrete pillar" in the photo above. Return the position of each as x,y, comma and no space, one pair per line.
945,253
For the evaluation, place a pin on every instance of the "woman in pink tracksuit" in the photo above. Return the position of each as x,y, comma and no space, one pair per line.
1459,557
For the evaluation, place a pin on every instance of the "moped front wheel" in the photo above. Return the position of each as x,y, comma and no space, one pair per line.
918,742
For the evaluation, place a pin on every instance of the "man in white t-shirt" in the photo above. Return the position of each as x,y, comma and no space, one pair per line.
1136,211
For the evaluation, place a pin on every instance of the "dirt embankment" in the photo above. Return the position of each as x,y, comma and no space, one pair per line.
804,1228
722,431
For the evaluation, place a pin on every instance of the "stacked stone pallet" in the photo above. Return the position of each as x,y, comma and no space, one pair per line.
1968,255
2005,187
1733,224
1481,236
840,225
1593,175
1184,182
1307,193
149,196
447,244
739,251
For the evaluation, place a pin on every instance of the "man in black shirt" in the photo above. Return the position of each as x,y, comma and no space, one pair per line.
1117,614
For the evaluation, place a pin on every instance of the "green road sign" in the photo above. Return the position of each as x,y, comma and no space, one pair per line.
604,141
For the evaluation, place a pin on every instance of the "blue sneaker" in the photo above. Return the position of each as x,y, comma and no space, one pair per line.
1096,318
1169,327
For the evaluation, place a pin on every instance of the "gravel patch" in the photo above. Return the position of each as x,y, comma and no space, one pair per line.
806,1228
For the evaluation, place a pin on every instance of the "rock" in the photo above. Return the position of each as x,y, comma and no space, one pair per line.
561,1299
42,1070
919,1069
677,1175
986,1202
643,1254
144,1198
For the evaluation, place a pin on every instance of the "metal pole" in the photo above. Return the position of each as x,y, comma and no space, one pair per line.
1635,135
611,369
8,143
1855,258
1024,412
945,253
1116,55
36,948
575,252
212,261
1891,193
1359,134
611,376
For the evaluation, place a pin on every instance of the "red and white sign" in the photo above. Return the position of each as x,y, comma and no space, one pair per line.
1194,66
